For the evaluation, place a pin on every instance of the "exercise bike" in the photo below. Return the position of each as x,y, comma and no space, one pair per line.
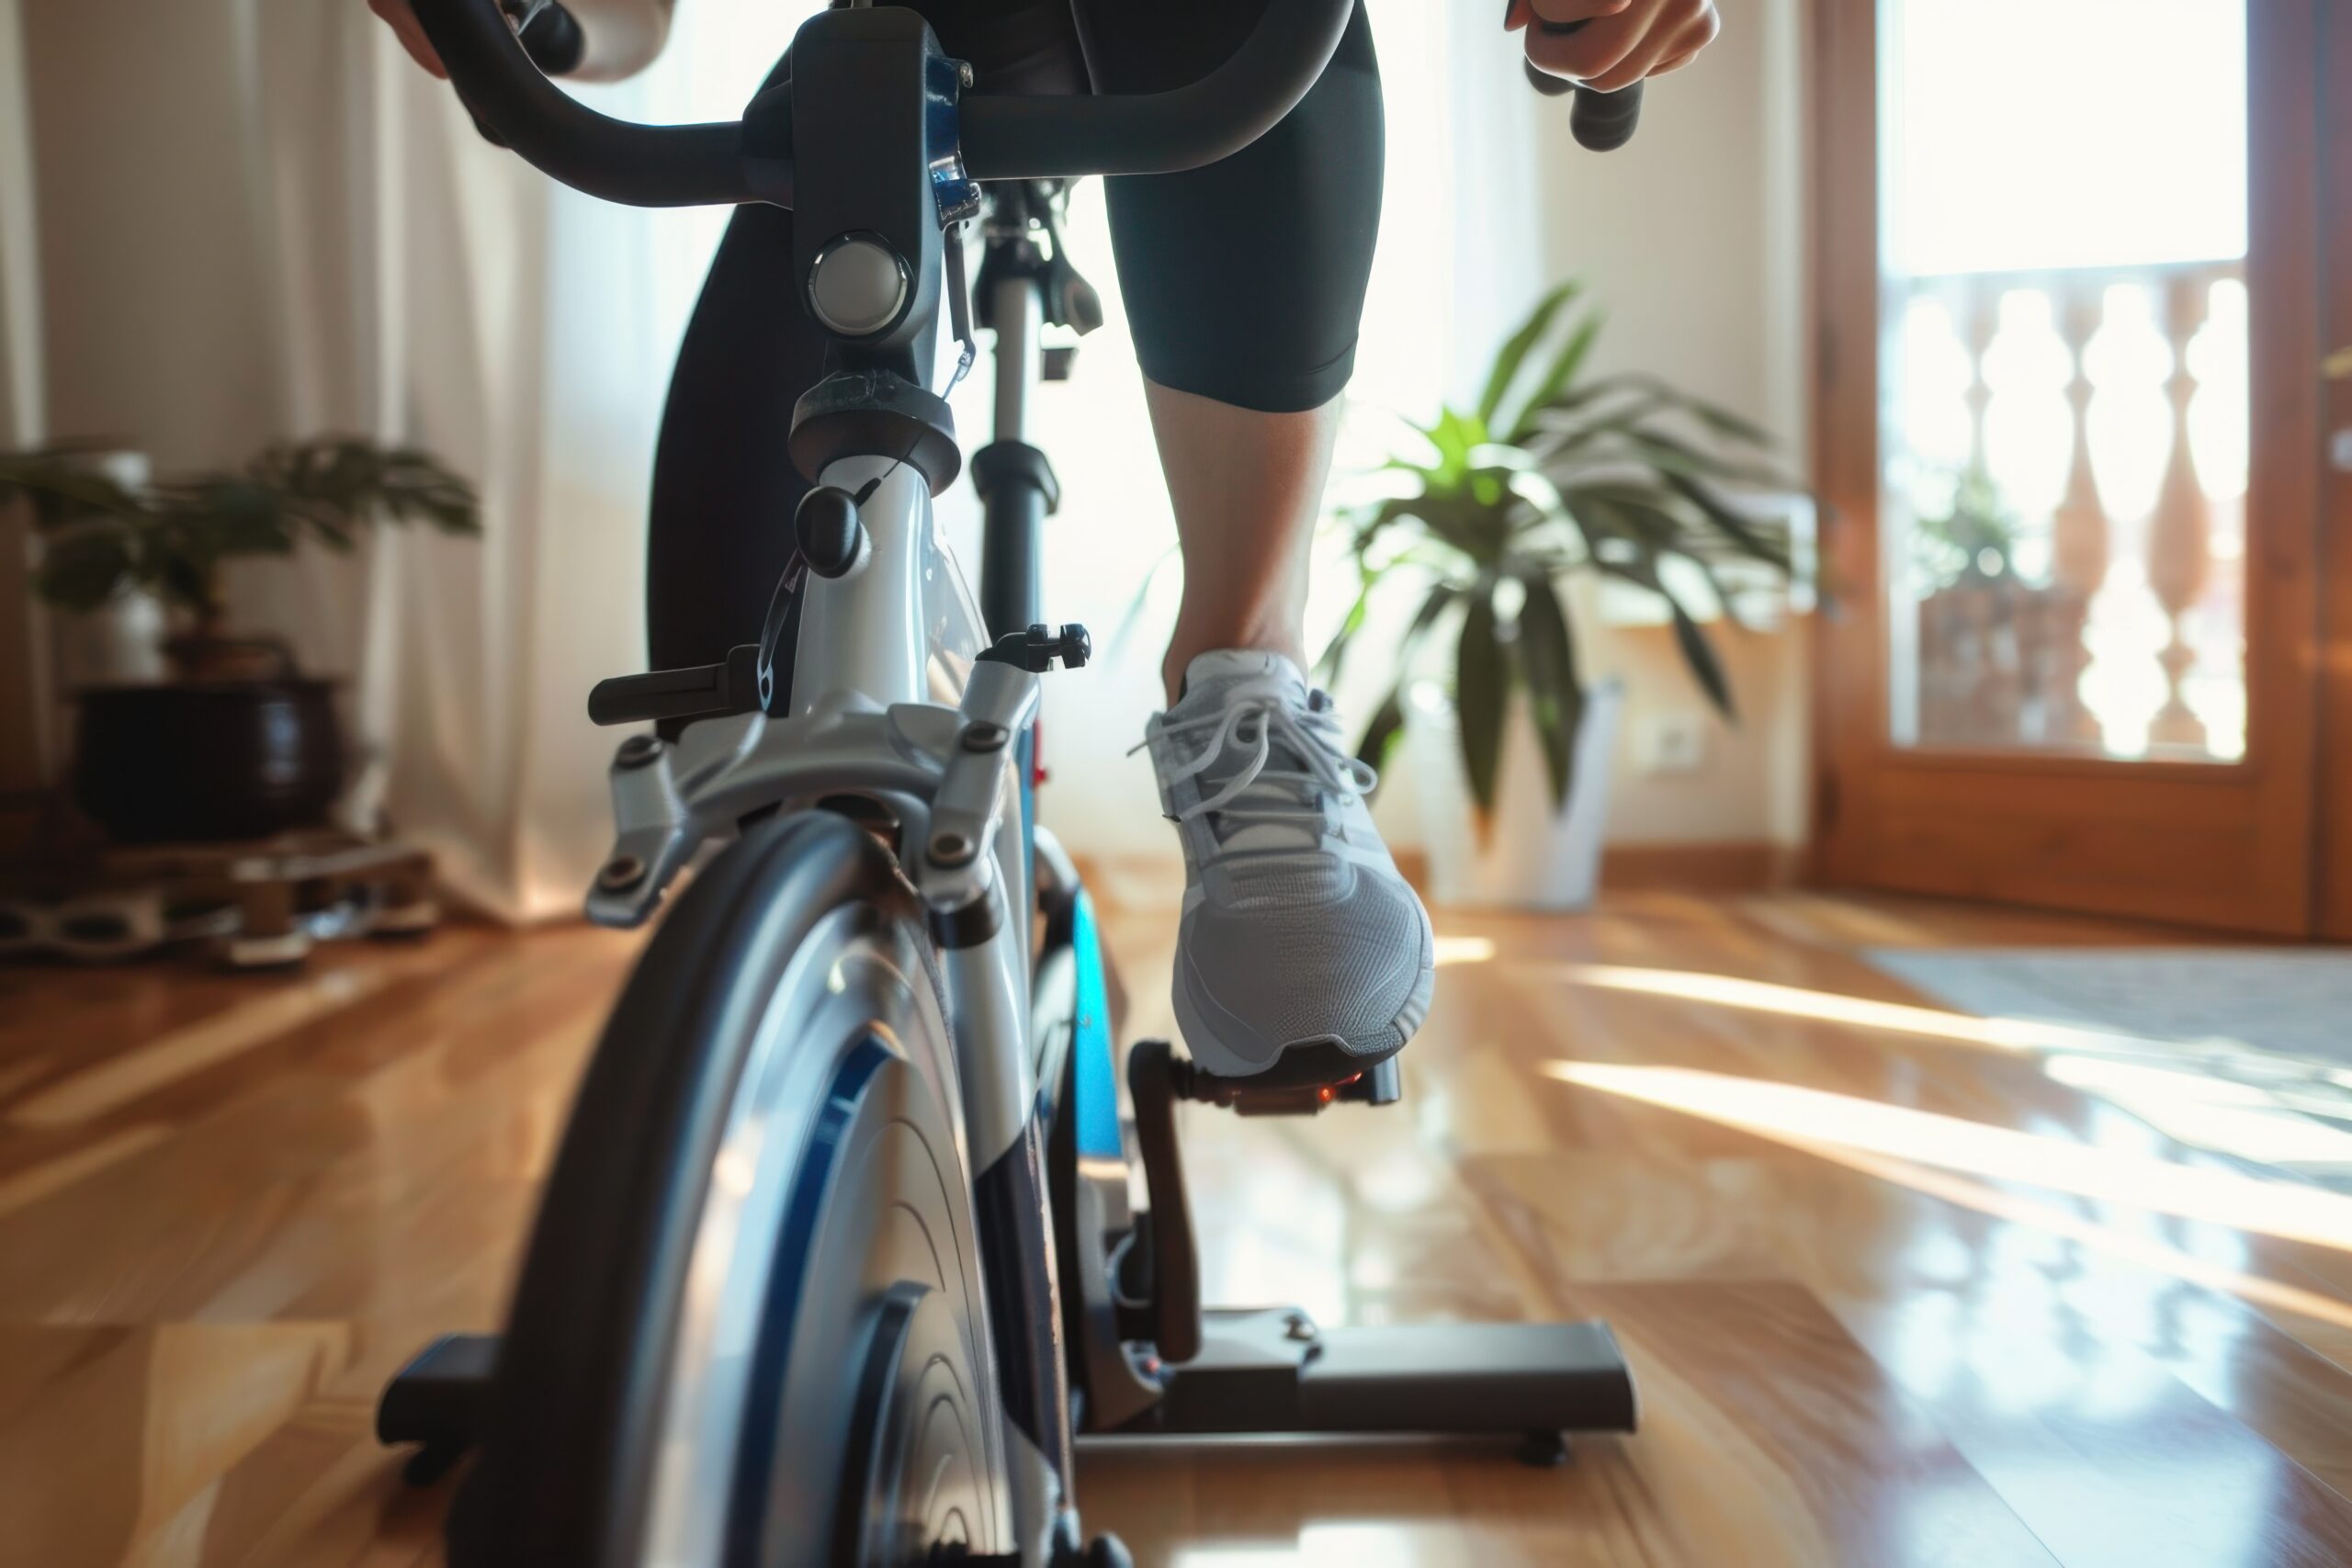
837,1257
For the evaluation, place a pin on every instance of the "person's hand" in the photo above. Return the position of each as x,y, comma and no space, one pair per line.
1622,42
403,22
623,35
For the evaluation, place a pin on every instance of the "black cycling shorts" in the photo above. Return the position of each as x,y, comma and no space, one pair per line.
1244,283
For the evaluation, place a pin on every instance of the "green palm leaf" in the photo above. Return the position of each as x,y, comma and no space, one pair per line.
1482,688
1514,354
1555,694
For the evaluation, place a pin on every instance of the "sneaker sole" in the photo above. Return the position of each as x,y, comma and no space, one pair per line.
1312,1060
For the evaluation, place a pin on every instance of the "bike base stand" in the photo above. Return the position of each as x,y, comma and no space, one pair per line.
1273,1370
1229,1372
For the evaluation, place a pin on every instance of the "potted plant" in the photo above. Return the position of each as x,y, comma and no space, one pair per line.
239,744
1553,475
1999,654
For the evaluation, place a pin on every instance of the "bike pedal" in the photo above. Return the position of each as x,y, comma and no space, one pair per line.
1382,1084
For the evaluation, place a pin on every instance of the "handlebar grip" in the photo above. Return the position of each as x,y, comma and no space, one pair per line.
1602,122
554,40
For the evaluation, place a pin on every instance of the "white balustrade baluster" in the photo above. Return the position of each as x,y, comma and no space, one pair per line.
2179,531
2081,547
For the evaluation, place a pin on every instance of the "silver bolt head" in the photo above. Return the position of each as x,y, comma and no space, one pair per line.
858,285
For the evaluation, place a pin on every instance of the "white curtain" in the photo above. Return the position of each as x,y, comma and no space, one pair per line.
260,221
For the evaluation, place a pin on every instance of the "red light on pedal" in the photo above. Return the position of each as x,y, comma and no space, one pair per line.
1327,1093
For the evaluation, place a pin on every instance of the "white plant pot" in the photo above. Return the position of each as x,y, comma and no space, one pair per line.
1535,857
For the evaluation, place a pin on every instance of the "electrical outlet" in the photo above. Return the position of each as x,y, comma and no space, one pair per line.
1672,743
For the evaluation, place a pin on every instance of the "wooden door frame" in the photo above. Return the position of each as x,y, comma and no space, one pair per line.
2202,844
2336,733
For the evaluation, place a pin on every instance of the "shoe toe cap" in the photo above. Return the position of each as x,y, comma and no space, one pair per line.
1356,971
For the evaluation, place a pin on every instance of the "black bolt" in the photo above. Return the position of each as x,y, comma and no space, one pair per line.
639,750
620,873
950,848
831,538
984,737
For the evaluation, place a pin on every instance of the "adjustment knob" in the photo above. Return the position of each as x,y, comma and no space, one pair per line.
831,536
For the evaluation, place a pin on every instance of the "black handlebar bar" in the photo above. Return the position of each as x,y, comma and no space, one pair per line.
1162,133
640,165
1003,138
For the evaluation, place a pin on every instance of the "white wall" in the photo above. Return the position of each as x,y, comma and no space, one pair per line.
1692,239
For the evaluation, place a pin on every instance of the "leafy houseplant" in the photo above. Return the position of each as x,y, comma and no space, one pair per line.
1973,542
241,744
1555,472
101,539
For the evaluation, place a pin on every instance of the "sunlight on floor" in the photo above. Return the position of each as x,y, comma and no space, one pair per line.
1900,1145
1807,1117
1464,950
2216,1094
1829,1007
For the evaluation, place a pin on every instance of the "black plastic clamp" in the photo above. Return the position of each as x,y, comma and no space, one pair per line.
1037,649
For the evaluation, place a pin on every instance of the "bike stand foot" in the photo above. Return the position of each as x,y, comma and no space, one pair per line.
1273,1370
1544,1451
438,1402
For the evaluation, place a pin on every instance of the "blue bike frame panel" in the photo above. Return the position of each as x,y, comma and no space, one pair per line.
1094,1061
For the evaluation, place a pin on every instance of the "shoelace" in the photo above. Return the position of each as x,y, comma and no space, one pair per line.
1313,737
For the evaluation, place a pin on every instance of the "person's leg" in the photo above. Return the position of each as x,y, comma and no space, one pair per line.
1302,955
1247,486
1245,284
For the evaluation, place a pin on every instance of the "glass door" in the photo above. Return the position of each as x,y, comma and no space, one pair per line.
2069,434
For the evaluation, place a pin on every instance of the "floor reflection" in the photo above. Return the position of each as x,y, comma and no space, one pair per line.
1921,1151
2284,1109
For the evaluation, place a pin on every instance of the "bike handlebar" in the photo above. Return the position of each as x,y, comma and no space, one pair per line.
1003,138
617,160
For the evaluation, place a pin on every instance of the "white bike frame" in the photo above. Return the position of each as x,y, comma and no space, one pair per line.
891,700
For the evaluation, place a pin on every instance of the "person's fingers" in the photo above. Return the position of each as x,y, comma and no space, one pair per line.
1522,12
1595,47
1649,59
411,33
1676,63
1614,53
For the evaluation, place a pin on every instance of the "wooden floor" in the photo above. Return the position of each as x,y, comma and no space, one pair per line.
1896,1294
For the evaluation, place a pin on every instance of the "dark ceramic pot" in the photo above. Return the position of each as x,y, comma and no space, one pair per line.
207,761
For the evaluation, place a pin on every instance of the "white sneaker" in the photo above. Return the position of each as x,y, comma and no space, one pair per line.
1304,955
